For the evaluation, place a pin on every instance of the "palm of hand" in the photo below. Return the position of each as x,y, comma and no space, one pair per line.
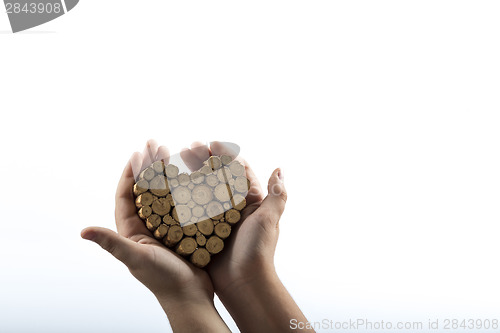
160,269
247,250
244,254
248,255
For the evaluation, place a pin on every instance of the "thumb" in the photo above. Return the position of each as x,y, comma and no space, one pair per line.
274,204
120,247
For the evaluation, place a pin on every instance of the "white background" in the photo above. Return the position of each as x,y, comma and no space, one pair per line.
384,116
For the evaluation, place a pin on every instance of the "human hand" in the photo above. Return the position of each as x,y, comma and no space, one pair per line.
249,252
243,274
181,288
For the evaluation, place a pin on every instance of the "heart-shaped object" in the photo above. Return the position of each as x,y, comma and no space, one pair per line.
26,14
192,213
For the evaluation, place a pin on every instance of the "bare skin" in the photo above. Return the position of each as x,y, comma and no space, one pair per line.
243,275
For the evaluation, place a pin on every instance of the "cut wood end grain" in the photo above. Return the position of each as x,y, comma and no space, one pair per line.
192,213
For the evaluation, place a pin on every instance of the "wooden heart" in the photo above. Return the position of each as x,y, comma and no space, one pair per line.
192,213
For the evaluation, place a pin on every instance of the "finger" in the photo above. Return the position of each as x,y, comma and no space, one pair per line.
224,148
136,163
163,154
127,221
255,193
191,160
149,153
124,190
247,211
274,204
200,150
120,247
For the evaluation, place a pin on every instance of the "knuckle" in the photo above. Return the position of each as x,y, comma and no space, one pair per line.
278,191
266,217
109,245
284,195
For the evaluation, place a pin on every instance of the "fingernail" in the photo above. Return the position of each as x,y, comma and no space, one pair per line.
88,235
280,175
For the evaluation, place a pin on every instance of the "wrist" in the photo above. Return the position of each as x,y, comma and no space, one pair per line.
192,313
182,299
262,304
265,276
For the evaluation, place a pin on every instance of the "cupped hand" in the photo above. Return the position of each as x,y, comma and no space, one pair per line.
164,272
249,252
